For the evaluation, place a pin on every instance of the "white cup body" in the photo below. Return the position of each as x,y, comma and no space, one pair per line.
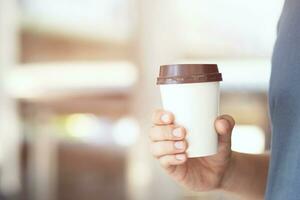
195,106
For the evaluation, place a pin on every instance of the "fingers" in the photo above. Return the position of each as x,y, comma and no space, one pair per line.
164,148
224,125
169,160
167,140
161,117
171,132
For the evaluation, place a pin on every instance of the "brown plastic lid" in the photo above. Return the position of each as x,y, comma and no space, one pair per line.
188,73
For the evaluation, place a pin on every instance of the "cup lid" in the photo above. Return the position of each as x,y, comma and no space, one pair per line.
188,73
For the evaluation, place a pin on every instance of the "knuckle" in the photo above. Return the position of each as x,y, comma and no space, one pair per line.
155,115
157,149
152,133
164,161
166,132
163,148
160,133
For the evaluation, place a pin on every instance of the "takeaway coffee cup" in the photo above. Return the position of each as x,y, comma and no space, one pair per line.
191,93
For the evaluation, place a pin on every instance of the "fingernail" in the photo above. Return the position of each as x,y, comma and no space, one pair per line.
180,157
179,145
177,132
165,118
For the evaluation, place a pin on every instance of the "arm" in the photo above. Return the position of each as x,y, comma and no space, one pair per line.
242,174
247,175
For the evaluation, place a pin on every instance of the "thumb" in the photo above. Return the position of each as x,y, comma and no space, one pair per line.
224,125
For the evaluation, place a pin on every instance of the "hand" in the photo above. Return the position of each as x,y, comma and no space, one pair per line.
169,146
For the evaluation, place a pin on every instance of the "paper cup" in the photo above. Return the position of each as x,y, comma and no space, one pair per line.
191,92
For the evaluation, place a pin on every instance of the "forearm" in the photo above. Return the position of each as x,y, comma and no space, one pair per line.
247,175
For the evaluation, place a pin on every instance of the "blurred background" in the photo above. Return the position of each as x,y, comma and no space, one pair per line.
77,89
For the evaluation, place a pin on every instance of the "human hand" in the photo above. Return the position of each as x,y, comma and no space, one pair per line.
168,145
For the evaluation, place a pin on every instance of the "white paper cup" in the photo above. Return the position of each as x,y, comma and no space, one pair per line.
191,92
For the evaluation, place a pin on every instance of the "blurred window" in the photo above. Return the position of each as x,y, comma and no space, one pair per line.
109,19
